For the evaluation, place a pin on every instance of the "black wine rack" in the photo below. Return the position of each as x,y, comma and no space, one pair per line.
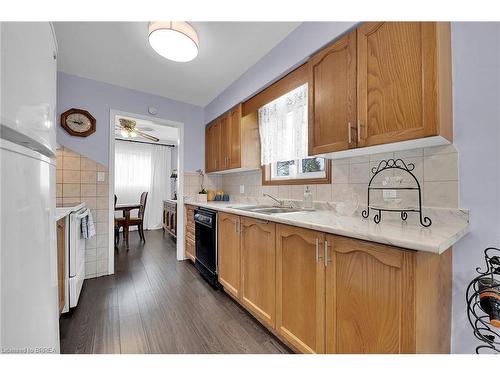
479,317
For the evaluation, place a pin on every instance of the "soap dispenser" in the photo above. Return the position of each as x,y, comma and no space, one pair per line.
308,199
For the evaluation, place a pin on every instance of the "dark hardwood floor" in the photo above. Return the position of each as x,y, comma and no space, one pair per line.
155,304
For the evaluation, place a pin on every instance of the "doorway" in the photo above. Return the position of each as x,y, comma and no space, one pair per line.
157,132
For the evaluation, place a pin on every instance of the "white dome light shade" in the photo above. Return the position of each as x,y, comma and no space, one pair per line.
175,41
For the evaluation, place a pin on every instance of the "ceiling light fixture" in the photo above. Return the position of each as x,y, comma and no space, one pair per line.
175,41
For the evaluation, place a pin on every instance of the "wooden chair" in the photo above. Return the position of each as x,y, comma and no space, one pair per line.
139,220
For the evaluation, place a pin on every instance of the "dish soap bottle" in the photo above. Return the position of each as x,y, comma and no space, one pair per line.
308,199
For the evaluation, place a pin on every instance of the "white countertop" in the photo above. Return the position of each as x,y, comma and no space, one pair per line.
65,211
448,225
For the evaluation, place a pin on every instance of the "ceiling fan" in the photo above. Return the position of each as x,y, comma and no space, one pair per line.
128,129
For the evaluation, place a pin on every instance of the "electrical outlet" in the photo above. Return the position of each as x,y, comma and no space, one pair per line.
242,189
100,176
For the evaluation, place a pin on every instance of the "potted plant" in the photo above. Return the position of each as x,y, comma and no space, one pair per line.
202,194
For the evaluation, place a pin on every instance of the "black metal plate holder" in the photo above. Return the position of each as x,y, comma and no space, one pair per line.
478,318
399,164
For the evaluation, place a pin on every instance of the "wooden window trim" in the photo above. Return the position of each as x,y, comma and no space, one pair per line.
292,80
265,169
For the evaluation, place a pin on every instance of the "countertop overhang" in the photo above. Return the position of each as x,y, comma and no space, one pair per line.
65,211
449,226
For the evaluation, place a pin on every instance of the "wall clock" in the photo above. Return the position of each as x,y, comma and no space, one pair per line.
78,122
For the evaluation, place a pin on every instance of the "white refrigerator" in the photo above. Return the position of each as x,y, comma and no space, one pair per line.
29,317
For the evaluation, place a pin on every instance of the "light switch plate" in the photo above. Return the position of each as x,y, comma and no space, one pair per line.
100,176
242,189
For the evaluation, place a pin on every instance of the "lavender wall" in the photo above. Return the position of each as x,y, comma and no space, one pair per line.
288,54
98,98
476,117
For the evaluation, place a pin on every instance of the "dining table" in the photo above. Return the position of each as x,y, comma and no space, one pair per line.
126,208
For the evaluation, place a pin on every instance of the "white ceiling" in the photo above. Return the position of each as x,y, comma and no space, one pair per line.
166,134
119,53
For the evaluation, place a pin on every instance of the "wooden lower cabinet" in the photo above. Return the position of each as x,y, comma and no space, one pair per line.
229,259
258,268
300,288
369,298
61,261
170,218
336,294
190,234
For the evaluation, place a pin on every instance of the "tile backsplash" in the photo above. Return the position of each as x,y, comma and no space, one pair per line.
436,169
192,183
76,182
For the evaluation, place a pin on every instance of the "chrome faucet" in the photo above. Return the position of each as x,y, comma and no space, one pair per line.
280,202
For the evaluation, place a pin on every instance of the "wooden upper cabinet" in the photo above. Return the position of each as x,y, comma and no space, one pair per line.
212,146
234,154
232,142
209,160
225,141
258,269
229,258
370,298
300,288
388,81
332,97
403,81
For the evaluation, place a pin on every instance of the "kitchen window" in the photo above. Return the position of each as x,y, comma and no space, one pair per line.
283,131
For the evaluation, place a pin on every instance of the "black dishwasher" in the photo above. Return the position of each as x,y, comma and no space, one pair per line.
206,244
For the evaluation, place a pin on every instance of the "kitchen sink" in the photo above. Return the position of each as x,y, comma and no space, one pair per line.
269,210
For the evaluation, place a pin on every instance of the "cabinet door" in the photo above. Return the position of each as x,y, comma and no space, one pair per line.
369,298
190,244
258,268
300,288
229,253
61,261
209,166
216,146
396,78
234,156
212,146
225,141
332,97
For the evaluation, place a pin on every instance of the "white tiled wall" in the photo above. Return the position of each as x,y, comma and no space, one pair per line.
76,179
436,169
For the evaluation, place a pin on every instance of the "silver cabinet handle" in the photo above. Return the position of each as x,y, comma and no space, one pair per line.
326,253
359,131
236,226
317,250
349,132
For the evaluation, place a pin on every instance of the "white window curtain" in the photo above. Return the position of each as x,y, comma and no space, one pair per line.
283,127
143,167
